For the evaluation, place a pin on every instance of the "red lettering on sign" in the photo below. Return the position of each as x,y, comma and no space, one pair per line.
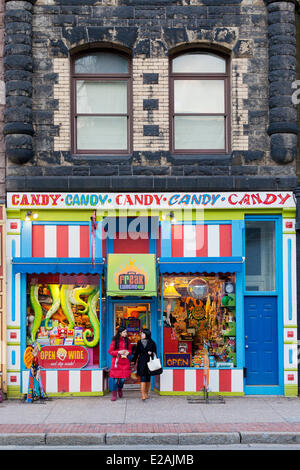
283,199
270,199
15,199
256,199
54,198
230,199
24,201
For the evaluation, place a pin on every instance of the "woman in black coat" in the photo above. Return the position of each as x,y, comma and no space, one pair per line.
144,350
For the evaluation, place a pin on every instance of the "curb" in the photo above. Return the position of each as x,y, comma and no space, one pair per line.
251,437
177,439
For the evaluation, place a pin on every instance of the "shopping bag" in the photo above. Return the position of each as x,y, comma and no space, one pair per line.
154,365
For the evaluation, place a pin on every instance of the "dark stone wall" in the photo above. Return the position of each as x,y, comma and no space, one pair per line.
283,128
150,29
18,60
2,106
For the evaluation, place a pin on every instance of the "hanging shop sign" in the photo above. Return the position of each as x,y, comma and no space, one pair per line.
131,275
63,357
229,200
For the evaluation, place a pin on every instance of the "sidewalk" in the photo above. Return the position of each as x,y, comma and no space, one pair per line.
159,420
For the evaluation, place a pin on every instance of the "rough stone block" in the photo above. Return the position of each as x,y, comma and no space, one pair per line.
140,439
151,130
23,439
74,439
209,438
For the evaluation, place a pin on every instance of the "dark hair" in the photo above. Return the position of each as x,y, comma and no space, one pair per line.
116,338
147,333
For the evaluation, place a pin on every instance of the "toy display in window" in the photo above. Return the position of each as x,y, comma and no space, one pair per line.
63,314
203,312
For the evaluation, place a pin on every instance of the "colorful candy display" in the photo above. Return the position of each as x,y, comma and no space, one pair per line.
208,318
63,314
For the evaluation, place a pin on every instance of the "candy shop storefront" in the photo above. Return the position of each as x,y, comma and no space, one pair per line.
212,275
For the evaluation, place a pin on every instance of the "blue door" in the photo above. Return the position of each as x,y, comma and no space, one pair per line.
261,340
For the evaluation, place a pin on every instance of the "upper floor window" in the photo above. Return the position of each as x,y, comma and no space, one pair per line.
200,103
101,103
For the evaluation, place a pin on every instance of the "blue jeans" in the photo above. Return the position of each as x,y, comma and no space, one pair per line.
117,383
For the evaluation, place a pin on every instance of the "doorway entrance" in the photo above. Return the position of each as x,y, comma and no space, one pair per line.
261,340
133,317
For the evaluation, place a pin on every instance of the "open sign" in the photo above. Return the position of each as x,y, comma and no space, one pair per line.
177,360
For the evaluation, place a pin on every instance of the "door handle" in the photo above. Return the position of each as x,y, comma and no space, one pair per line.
246,346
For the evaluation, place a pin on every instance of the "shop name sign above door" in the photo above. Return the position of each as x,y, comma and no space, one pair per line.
131,280
131,275
235,200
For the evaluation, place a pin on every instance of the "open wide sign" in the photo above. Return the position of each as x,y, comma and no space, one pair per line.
63,357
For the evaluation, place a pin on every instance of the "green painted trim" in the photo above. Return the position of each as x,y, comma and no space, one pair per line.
291,342
197,394
206,214
13,213
83,215
288,233
289,213
262,211
13,371
290,326
291,390
14,392
13,344
13,327
13,233
189,214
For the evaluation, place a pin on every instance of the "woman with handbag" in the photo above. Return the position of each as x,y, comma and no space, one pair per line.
120,349
145,348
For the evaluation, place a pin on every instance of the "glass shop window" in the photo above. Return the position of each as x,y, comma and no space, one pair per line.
260,256
199,320
63,310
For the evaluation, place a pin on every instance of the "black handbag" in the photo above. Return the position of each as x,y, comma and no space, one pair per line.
156,372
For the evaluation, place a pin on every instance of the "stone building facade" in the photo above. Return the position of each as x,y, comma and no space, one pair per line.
2,208
234,191
40,36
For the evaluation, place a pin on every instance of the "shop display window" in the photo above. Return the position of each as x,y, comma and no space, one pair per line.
63,310
260,253
199,320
